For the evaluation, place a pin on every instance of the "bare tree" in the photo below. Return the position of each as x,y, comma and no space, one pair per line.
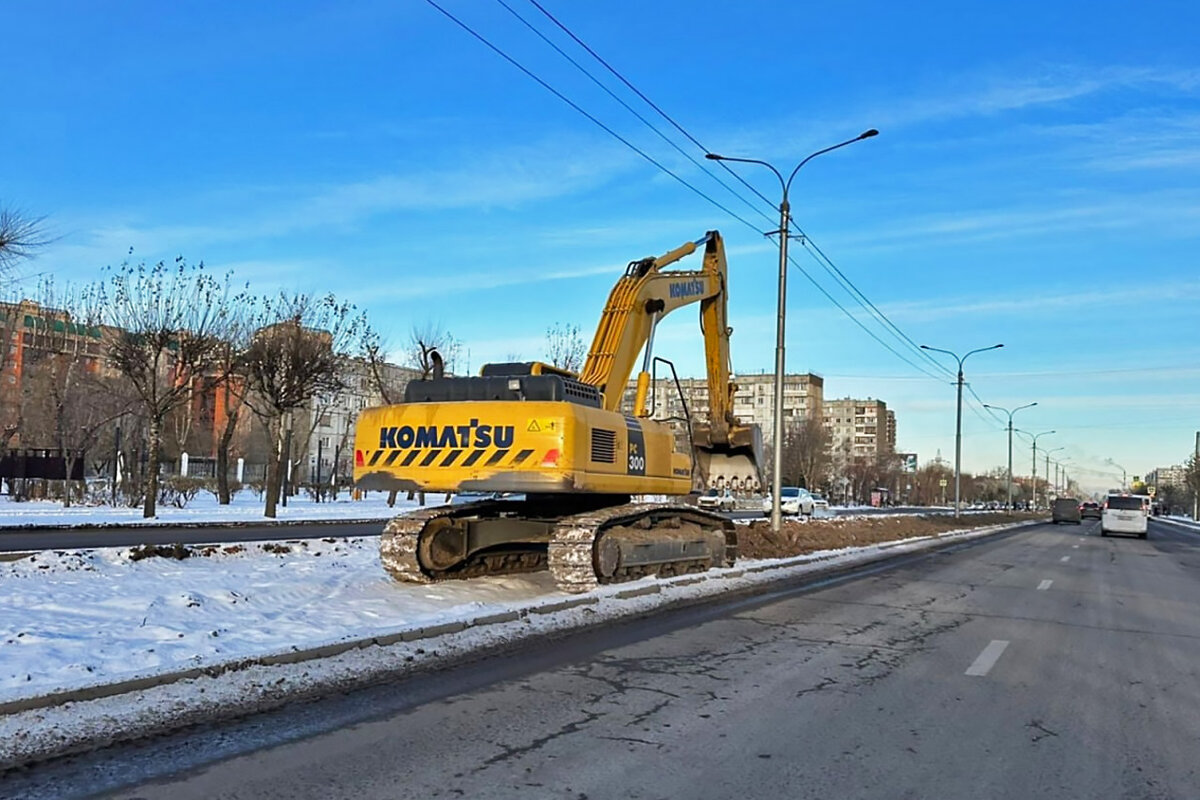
423,341
230,384
297,352
374,350
806,458
20,237
172,320
565,347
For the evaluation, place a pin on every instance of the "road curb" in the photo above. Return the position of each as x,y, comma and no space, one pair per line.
272,694
234,524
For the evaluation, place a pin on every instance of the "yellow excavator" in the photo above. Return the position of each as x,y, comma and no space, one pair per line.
561,459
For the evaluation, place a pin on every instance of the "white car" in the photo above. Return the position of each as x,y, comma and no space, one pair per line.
1125,513
821,507
792,500
720,499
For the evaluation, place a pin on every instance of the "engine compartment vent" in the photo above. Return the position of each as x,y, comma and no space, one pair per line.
604,446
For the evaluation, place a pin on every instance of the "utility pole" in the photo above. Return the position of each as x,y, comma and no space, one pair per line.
1196,489
781,298
958,418
1010,433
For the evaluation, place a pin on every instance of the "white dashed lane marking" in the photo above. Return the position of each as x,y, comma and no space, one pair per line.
1065,558
1044,585
988,658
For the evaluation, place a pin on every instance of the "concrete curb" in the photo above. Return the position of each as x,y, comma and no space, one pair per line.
280,692
264,523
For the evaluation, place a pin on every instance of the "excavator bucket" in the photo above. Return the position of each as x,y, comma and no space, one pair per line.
736,463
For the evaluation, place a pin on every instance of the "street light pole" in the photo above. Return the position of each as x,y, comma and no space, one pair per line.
1033,437
958,417
1010,433
1048,452
784,218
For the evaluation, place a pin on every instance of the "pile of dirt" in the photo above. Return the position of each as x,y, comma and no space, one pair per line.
807,536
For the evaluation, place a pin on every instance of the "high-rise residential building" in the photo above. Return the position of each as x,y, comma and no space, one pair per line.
1167,476
859,428
753,400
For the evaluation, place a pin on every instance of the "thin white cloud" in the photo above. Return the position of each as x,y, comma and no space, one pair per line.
1127,294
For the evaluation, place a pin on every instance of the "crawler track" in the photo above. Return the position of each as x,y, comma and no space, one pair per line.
571,554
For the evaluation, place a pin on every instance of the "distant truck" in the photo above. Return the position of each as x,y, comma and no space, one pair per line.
1066,509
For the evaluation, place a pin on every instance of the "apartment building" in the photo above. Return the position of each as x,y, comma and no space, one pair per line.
859,428
329,419
1167,476
753,400
31,336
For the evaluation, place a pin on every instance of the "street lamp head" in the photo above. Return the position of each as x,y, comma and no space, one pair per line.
868,134
999,345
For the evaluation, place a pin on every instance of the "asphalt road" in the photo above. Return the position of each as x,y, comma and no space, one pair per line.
1046,663
21,540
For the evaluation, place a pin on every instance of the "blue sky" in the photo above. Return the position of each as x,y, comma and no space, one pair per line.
1034,182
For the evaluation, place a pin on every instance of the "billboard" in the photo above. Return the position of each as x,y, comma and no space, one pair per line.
908,462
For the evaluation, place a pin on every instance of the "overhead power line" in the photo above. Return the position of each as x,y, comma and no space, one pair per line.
824,261
697,163
579,109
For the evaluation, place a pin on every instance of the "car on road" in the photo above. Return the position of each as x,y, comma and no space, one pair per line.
1089,508
720,499
1065,509
1125,513
792,500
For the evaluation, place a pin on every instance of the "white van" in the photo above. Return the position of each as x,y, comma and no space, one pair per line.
1125,513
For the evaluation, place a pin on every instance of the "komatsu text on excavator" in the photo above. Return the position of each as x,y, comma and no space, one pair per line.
563,443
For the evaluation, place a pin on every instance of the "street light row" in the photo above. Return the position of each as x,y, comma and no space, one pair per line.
782,232
1010,428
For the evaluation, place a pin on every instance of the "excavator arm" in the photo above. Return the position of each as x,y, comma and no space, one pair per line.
642,297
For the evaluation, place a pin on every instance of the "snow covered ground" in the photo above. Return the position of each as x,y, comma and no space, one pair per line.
244,507
78,618
73,620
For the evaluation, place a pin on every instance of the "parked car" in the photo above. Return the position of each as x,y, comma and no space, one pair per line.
821,506
1089,509
720,499
1065,509
792,500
